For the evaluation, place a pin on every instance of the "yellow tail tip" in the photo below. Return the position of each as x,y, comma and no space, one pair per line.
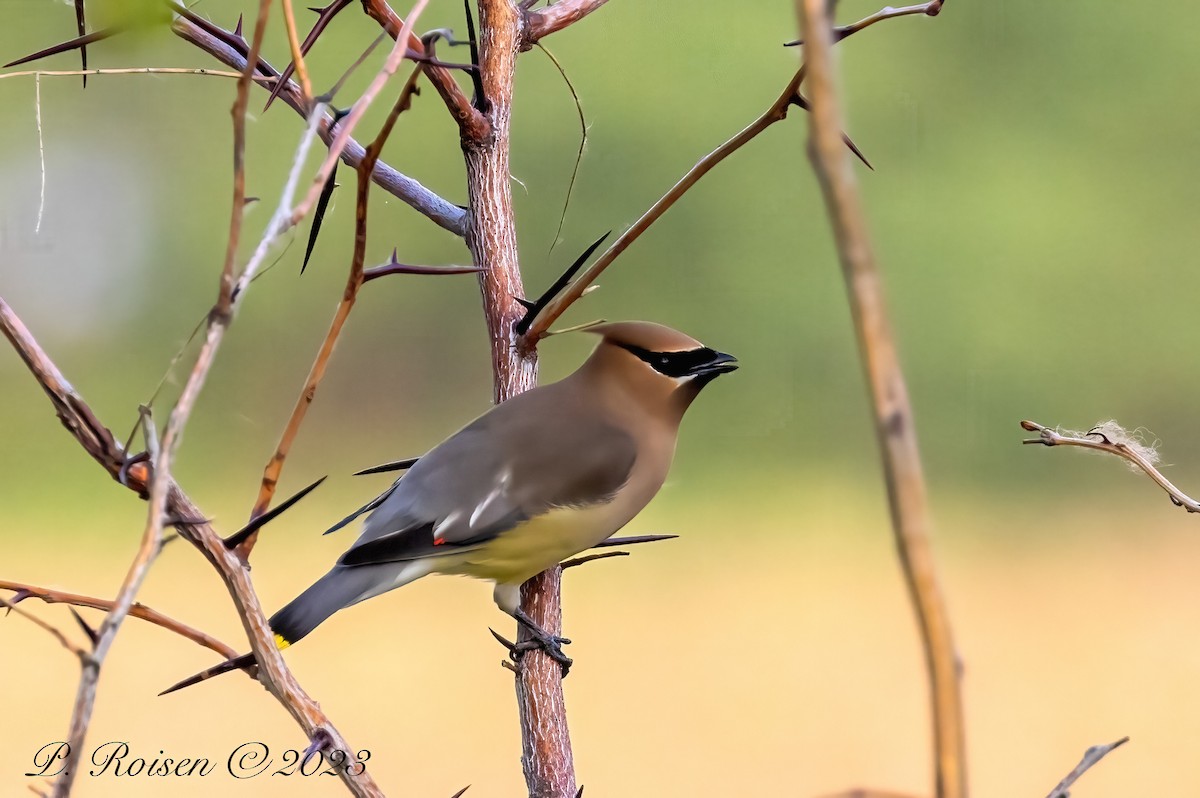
281,643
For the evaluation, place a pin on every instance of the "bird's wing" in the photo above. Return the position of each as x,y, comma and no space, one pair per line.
496,473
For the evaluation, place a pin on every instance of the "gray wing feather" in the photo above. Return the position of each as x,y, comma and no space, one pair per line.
502,469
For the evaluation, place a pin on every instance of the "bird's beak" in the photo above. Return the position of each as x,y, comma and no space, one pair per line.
719,363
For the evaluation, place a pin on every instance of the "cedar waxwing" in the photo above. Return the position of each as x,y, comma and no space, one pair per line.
536,479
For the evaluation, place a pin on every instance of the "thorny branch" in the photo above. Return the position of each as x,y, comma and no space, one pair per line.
539,324
895,428
1096,440
355,280
441,212
98,441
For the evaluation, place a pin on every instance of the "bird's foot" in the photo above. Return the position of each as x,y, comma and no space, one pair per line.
540,640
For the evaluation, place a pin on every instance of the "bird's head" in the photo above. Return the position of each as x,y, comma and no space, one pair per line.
658,360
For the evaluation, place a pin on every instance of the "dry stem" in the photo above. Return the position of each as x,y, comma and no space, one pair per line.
1049,437
137,610
894,423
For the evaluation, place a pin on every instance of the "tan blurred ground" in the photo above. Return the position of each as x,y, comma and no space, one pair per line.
784,665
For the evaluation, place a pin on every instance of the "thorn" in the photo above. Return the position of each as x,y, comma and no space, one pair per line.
394,465
67,46
237,29
319,214
522,325
459,794
480,101
632,539
321,741
511,646
525,303
16,599
86,627
589,558
258,522
371,505
249,200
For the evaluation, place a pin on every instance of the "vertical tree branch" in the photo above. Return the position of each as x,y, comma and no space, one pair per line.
491,236
893,414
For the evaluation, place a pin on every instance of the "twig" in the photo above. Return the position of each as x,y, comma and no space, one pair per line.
98,441
555,307
1090,757
1049,437
137,610
102,640
226,295
841,32
777,111
894,424
37,112
74,73
555,17
436,209
473,124
297,55
346,126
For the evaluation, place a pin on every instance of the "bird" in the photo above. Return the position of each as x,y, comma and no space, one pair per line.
534,480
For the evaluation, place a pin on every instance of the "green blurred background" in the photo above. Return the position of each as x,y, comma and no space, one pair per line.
1033,208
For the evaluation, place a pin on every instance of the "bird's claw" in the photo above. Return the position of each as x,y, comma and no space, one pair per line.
549,644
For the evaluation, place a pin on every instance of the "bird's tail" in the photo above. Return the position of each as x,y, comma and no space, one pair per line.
339,588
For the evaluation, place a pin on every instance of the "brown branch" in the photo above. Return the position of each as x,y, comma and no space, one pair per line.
472,123
894,423
298,64
558,305
98,442
555,17
442,213
137,610
1090,757
354,282
237,210
777,111
1049,437
547,759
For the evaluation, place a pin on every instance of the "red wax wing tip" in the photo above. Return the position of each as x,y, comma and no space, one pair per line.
438,541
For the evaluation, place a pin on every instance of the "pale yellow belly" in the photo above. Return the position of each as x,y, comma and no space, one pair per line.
536,545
